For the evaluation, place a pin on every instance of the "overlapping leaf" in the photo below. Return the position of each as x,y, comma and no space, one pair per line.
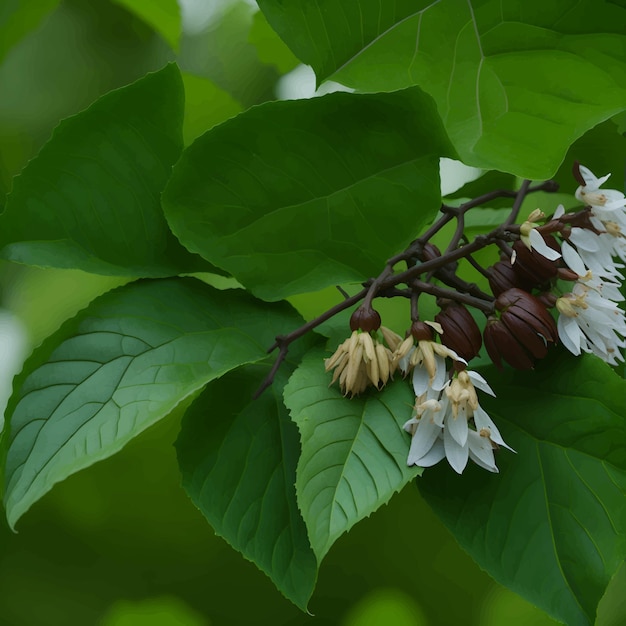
515,83
91,199
552,524
238,460
294,196
162,15
119,366
353,451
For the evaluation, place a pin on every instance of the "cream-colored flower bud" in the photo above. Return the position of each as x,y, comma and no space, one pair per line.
393,339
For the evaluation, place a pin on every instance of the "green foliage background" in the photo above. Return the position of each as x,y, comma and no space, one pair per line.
120,543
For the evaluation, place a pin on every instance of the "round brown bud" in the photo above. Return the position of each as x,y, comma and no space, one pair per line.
460,331
365,320
421,331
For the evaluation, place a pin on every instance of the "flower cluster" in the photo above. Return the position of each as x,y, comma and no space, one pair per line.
450,423
558,280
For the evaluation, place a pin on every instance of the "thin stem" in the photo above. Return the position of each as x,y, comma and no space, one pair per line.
441,292
517,205
386,283
477,266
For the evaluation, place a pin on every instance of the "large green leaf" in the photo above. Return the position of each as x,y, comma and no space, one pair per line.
240,471
552,525
18,18
120,365
354,451
515,82
291,197
91,199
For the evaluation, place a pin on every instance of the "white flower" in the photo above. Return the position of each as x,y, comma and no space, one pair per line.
605,280
441,426
591,323
533,239
591,194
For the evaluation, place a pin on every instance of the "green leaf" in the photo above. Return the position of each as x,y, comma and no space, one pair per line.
354,451
91,199
18,18
119,366
533,75
205,106
552,525
602,150
269,46
291,197
612,607
161,15
238,460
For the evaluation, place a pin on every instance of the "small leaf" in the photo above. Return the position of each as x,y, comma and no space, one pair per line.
515,84
552,525
354,451
91,199
291,197
238,460
161,15
119,366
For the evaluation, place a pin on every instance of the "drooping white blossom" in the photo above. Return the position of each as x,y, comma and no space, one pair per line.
591,194
590,319
608,212
533,239
450,423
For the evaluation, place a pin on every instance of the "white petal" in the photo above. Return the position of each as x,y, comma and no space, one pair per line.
591,180
441,376
560,211
420,380
585,239
482,420
539,244
432,457
569,333
410,425
572,259
458,427
481,452
480,383
457,455
423,439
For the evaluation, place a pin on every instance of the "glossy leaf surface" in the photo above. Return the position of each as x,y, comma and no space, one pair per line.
120,365
353,451
294,196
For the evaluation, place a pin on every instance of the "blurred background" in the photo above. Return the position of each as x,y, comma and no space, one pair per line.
119,544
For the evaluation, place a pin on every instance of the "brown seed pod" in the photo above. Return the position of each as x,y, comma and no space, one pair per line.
532,268
460,331
502,276
523,332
